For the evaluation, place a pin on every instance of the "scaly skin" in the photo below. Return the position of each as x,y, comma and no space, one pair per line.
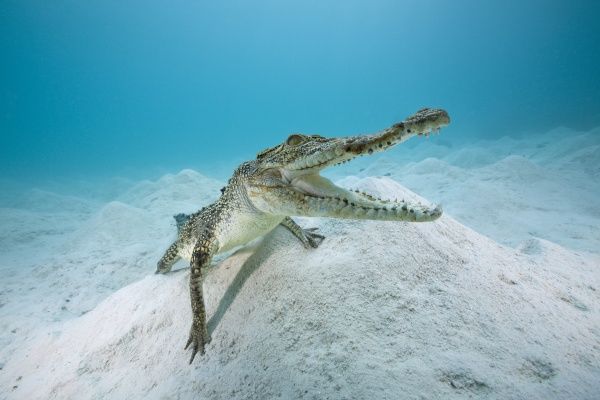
284,181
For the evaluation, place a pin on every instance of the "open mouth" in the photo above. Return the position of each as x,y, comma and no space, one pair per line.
320,193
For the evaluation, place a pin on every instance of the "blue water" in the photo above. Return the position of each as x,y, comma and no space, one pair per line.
105,88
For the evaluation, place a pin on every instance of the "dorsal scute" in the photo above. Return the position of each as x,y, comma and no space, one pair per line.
180,220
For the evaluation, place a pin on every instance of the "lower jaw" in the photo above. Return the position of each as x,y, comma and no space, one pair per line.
365,206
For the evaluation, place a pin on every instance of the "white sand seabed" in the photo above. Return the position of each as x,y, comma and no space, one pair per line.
380,310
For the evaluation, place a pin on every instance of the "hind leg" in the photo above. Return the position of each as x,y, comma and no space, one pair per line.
167,261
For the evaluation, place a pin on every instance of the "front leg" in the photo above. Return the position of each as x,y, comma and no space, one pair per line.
202,254
306,236
170,257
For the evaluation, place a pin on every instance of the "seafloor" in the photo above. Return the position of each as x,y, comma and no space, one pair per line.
497,299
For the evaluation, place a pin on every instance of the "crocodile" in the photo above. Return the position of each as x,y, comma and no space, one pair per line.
284,181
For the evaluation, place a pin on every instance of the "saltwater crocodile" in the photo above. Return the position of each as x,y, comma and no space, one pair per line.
284,181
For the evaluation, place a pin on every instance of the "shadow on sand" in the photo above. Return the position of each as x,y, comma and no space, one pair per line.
273,240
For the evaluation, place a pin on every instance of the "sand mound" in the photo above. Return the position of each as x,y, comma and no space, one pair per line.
115,223
471,157
381,310
428,166
172,194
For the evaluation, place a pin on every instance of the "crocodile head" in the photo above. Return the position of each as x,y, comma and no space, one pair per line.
286,178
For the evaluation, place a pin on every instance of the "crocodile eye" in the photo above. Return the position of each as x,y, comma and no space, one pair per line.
294,140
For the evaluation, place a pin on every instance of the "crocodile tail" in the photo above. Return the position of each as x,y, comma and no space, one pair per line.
180,220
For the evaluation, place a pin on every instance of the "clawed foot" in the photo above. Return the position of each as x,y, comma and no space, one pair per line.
161,268
198,339
312,239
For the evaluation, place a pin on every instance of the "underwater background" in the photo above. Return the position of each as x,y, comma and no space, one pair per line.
117,115
98,89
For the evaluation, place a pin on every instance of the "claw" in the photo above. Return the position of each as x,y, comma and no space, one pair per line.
195,351
196,348
315,239
198,341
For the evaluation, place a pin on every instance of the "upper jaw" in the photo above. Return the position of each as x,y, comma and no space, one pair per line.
340,150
